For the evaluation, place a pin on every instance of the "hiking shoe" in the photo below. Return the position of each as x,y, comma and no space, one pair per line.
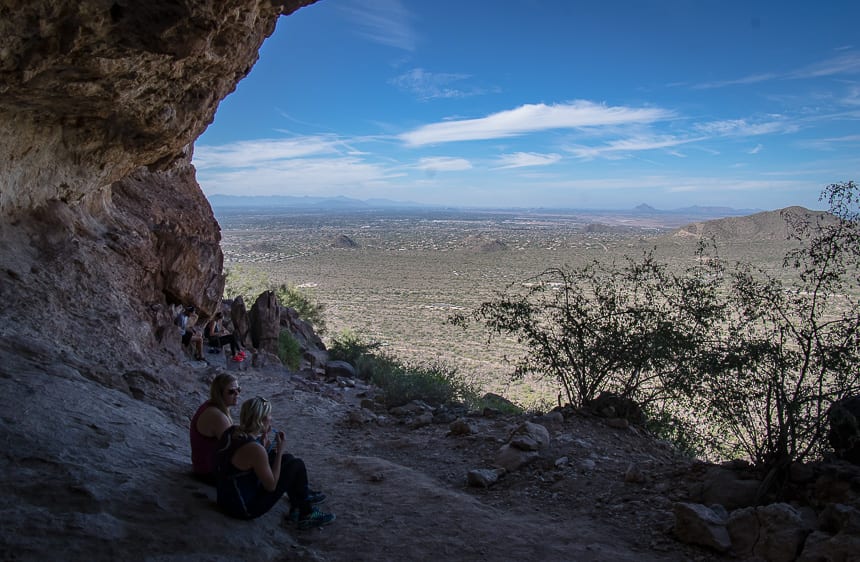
315,497
315,518
293,515
238,358
242,353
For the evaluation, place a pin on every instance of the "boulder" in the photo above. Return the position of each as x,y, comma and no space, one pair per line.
334,369
844,433
265,320
774,532
484,477
529,436
511,458
699,524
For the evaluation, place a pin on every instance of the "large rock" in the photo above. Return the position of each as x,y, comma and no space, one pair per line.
265,321
773,532
93,89
844,434
699,524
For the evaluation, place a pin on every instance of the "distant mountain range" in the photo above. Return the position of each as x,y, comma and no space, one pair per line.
307,202
697,210
341,203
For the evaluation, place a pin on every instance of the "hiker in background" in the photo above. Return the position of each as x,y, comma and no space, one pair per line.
186,321
209,423
217,336
250,481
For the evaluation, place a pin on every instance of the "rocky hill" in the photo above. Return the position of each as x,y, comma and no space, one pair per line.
105,231
767,225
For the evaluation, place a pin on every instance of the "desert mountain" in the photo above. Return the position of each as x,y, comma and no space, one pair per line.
767,225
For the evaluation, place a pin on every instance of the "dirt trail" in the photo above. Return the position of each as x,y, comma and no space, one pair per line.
387,510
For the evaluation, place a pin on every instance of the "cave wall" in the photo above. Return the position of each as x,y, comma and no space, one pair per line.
102,223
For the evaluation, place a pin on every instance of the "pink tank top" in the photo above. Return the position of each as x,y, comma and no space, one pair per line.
202,448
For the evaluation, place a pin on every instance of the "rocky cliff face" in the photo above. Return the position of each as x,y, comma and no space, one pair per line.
103,223
102,228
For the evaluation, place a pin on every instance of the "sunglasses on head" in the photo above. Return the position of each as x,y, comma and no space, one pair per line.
236,390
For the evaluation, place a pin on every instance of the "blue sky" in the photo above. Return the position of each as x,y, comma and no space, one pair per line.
600,104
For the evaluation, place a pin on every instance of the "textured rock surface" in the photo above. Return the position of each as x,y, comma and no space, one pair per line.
102,228
91,90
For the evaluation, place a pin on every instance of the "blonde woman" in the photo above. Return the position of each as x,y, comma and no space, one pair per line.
209,423
250,481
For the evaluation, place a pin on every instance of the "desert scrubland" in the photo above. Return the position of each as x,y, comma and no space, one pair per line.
408,271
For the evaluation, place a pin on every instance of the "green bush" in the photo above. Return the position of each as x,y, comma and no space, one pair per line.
289,351
308,310
740,361
250,283
434,383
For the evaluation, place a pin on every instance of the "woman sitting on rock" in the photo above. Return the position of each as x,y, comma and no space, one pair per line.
209,423
218,337
250,481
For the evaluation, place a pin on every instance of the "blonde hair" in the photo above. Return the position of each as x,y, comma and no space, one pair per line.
252,414
216,392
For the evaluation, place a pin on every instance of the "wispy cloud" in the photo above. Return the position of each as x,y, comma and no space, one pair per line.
531,118
297,176
831,143
247,154
387,22
429,85
526,159
444,164
845,63
635,144
744,128
756,149
752,79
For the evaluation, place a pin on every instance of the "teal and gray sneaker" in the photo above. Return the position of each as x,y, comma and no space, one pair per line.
314,497
315,518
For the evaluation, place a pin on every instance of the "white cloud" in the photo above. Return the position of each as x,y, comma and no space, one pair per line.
531,118
848,63
752,79
525,159
756,149
634,144
741,127
831,143
444,164
327,176
387,22
432,85
248,154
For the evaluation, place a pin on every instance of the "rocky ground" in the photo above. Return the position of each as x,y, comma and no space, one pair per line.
97,474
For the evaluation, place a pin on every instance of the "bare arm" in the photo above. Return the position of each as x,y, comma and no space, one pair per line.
212,422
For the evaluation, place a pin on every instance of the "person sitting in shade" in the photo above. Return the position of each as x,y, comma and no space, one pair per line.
217,336
250,481
209,423
186,321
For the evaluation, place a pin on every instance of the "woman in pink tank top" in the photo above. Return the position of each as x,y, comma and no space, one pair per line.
209,422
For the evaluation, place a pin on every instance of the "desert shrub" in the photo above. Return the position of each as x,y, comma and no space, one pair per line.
733,360
350,347
244,281
434,383
289,351
250,283
632,329
788,351
308,310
